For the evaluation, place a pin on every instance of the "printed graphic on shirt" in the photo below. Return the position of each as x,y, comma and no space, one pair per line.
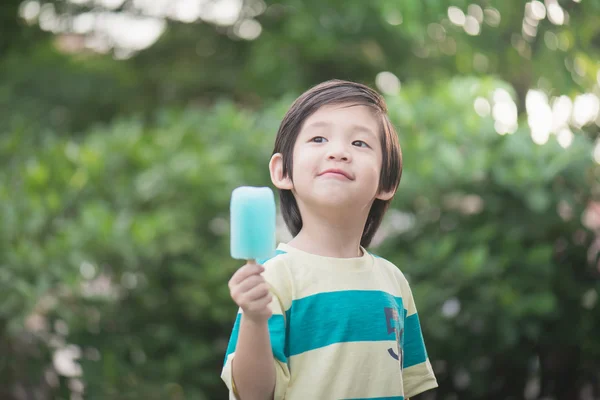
395,325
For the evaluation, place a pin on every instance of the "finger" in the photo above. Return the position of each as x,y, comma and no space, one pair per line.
246,291
261,305
265,301
246,271
249,283
256,293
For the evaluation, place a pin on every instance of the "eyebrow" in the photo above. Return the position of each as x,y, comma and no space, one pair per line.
353,127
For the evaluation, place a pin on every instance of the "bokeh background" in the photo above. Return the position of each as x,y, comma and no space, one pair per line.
125,124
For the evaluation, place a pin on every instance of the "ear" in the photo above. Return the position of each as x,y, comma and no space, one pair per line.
276,169
385,196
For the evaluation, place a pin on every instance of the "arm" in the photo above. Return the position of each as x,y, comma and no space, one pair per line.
259,333
253,367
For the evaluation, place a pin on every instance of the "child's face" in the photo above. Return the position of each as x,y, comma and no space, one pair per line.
337,158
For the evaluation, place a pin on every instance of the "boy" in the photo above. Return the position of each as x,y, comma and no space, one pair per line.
323,318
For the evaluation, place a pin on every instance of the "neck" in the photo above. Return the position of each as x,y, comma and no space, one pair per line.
336,234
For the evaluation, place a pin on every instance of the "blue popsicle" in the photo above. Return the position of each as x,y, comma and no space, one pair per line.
252,223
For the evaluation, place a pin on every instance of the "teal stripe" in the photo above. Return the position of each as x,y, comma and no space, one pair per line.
414,346
380,398
276,331
337,317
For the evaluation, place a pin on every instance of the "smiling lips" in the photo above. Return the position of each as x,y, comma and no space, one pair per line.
336,172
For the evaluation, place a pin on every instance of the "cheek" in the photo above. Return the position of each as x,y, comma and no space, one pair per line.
374,173
373,165
378,165
304,160
375,178
301,167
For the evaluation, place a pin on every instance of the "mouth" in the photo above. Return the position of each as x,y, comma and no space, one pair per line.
333,172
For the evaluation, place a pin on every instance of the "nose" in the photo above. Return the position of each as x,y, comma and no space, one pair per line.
338,152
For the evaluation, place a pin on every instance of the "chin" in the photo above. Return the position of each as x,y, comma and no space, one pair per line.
336,198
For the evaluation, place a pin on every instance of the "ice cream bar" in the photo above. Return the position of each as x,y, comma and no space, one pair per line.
252,223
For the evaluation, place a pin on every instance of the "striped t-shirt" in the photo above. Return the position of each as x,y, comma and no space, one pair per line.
342,328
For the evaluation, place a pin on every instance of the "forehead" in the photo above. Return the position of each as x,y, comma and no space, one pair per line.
345,116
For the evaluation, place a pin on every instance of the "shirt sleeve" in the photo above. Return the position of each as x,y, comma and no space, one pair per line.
277,277
417,373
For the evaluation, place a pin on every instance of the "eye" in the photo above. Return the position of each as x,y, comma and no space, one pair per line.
318,139
360,143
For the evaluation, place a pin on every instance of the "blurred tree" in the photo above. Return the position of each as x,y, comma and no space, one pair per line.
43,89
496,233
255,50
117,243
15,32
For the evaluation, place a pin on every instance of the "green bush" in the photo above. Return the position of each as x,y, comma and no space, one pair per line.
116,242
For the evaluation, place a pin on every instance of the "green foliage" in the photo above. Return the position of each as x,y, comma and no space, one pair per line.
122,237
301,43
495,249
146,209
44,89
